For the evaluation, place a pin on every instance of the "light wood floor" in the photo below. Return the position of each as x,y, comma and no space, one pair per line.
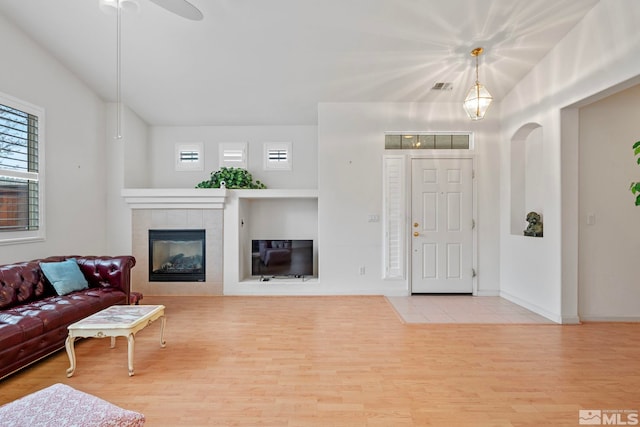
349,361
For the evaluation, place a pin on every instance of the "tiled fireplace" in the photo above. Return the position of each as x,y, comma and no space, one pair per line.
180,210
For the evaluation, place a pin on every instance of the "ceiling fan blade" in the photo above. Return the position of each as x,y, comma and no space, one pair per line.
180,7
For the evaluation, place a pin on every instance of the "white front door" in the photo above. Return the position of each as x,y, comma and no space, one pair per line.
441,226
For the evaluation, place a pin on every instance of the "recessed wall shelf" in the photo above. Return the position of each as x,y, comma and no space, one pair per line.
268,214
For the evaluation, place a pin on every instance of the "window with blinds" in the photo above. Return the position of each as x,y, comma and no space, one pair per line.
19,168
277,156
189,157
233,155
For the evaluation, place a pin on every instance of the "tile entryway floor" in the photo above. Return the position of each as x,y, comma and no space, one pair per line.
462,309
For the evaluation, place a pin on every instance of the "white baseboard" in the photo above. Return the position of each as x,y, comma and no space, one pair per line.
536,309
621,319
490,293
571,320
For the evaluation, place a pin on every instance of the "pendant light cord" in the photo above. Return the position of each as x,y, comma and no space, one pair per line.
477,88
477,78
118,72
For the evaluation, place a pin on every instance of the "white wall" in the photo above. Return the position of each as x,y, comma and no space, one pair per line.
128,167
599,53
304,151
135,141
610,242
75,170
534,155
350,150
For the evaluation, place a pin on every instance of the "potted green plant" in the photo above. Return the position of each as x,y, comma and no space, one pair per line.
635,186
231,178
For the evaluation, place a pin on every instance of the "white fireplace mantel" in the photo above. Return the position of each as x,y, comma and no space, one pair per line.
174,198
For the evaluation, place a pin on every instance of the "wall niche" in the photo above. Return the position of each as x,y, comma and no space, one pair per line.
527,173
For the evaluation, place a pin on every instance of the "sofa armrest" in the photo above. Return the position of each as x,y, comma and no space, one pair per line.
108,271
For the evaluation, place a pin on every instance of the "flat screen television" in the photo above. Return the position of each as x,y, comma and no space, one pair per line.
282,258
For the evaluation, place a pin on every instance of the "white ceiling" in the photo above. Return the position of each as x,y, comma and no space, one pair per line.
270,62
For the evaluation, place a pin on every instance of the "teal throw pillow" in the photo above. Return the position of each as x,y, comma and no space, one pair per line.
65,276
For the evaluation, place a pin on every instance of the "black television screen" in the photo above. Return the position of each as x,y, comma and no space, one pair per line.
285,258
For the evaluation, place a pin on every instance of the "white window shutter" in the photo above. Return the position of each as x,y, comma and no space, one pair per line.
277,156
189,157
21,170
233,155
394,223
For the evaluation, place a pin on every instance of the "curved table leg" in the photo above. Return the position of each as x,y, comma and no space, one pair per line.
69,345
163,343
131,342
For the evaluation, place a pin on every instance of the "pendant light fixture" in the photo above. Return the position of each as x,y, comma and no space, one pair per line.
478,99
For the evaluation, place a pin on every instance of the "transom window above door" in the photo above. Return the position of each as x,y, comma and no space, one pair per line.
427,141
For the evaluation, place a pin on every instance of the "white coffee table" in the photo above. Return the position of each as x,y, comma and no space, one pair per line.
115,321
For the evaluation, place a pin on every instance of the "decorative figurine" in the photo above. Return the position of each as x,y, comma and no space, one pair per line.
534,229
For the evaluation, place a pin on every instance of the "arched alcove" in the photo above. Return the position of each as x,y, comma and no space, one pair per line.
526,175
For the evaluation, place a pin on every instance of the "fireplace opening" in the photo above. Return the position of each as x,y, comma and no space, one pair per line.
176,255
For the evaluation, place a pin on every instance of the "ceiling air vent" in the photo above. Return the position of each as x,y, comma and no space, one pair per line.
442,86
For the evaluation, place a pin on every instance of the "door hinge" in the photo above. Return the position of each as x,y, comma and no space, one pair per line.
473,224
473,272
473,173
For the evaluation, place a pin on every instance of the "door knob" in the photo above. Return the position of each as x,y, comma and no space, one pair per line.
416,234
416,225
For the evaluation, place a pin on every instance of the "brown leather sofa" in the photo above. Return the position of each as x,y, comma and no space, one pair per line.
34,318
